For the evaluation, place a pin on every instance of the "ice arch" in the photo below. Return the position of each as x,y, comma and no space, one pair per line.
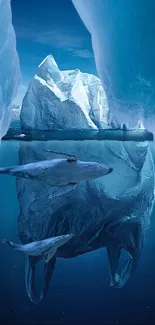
9,65
123,36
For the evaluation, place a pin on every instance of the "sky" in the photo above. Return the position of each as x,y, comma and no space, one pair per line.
50,27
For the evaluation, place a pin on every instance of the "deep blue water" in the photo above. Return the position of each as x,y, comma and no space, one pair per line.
79,292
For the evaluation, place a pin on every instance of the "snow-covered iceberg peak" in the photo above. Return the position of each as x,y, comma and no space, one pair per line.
63,99
9,65
48,70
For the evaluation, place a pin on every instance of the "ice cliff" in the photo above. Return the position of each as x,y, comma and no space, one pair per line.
63,99
112,212
9,65
124,54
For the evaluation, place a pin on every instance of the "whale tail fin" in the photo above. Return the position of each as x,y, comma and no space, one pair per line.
12,170
5,170
9,243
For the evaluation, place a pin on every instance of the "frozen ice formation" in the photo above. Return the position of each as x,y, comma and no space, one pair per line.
9,65
63,99
124,56
15,117
112,211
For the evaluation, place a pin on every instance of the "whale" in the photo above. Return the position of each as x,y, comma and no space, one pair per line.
44,248
62,174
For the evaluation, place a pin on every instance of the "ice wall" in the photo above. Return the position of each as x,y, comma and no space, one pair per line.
123,42
9,65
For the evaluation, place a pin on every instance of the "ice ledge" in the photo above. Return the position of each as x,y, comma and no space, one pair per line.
138,135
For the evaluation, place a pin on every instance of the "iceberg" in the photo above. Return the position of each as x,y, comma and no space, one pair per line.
124,55
15,118
70,104
63,99
112,211
9,66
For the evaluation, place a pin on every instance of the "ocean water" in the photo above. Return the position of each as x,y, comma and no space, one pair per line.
79,290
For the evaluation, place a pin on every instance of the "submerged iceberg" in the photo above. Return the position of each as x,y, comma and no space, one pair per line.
9,65
124,55
63,99
112,211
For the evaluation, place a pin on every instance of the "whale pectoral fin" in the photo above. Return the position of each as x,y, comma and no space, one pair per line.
57,243
30,278
50,254
62,190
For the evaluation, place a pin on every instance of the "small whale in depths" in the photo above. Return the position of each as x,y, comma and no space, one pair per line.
61,173
44,248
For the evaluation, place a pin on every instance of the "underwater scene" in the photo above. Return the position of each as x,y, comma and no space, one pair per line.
78,282
77,162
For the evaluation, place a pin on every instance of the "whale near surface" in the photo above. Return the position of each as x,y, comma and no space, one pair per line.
63,173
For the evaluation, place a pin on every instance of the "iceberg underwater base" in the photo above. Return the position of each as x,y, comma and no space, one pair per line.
79,287
112,211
